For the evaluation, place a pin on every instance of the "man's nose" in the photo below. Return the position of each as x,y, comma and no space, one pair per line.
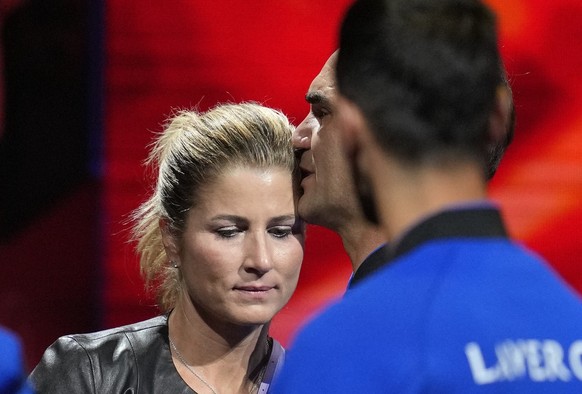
303,132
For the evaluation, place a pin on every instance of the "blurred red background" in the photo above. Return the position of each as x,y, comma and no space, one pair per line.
71,269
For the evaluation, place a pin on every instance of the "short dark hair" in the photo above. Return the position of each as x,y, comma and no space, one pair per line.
423,72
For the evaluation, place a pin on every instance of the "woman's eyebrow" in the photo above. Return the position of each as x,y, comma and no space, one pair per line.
230,218
283,218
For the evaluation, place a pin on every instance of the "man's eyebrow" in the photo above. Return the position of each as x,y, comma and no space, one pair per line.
316,98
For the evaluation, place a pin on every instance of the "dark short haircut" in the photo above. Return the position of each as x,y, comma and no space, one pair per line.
424,73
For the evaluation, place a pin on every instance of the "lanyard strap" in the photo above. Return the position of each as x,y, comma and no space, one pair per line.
273,367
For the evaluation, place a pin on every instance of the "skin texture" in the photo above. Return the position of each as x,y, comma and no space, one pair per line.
240,257
323,164
329,196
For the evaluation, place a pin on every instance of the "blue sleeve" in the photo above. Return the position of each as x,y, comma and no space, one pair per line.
12,374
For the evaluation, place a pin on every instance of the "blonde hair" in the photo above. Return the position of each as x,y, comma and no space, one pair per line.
192,151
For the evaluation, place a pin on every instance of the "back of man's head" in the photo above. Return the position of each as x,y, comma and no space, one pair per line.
424,73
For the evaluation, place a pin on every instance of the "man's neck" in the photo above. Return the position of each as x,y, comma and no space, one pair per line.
360,239
407,196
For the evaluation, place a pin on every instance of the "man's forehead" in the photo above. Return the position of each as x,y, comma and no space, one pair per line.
323,85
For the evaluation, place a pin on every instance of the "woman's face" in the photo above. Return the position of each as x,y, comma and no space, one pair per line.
242,247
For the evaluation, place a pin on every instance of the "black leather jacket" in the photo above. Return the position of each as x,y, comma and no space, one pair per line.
129,359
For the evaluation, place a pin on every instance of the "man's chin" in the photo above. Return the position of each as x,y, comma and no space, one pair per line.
304,207
308,209
317,211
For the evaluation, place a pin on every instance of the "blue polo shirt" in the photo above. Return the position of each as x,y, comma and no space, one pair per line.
459,308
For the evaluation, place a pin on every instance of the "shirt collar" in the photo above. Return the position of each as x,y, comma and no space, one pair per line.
474,220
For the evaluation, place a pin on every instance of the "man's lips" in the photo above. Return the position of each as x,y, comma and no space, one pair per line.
305,173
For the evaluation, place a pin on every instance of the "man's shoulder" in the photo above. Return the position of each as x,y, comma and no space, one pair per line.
445,309
9,343
451,280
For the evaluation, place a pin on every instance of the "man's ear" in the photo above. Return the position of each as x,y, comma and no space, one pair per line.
355,136
352,125
170,241
500,116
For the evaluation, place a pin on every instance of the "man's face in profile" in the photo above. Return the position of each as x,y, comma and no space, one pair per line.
329,196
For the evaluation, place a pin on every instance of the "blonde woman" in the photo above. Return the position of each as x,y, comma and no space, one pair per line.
221,243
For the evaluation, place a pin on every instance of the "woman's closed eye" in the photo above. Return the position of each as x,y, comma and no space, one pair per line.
228,232
281,231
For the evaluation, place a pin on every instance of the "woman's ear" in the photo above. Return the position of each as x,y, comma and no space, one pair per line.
169,241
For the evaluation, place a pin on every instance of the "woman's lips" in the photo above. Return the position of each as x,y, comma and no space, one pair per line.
254,288
255,293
